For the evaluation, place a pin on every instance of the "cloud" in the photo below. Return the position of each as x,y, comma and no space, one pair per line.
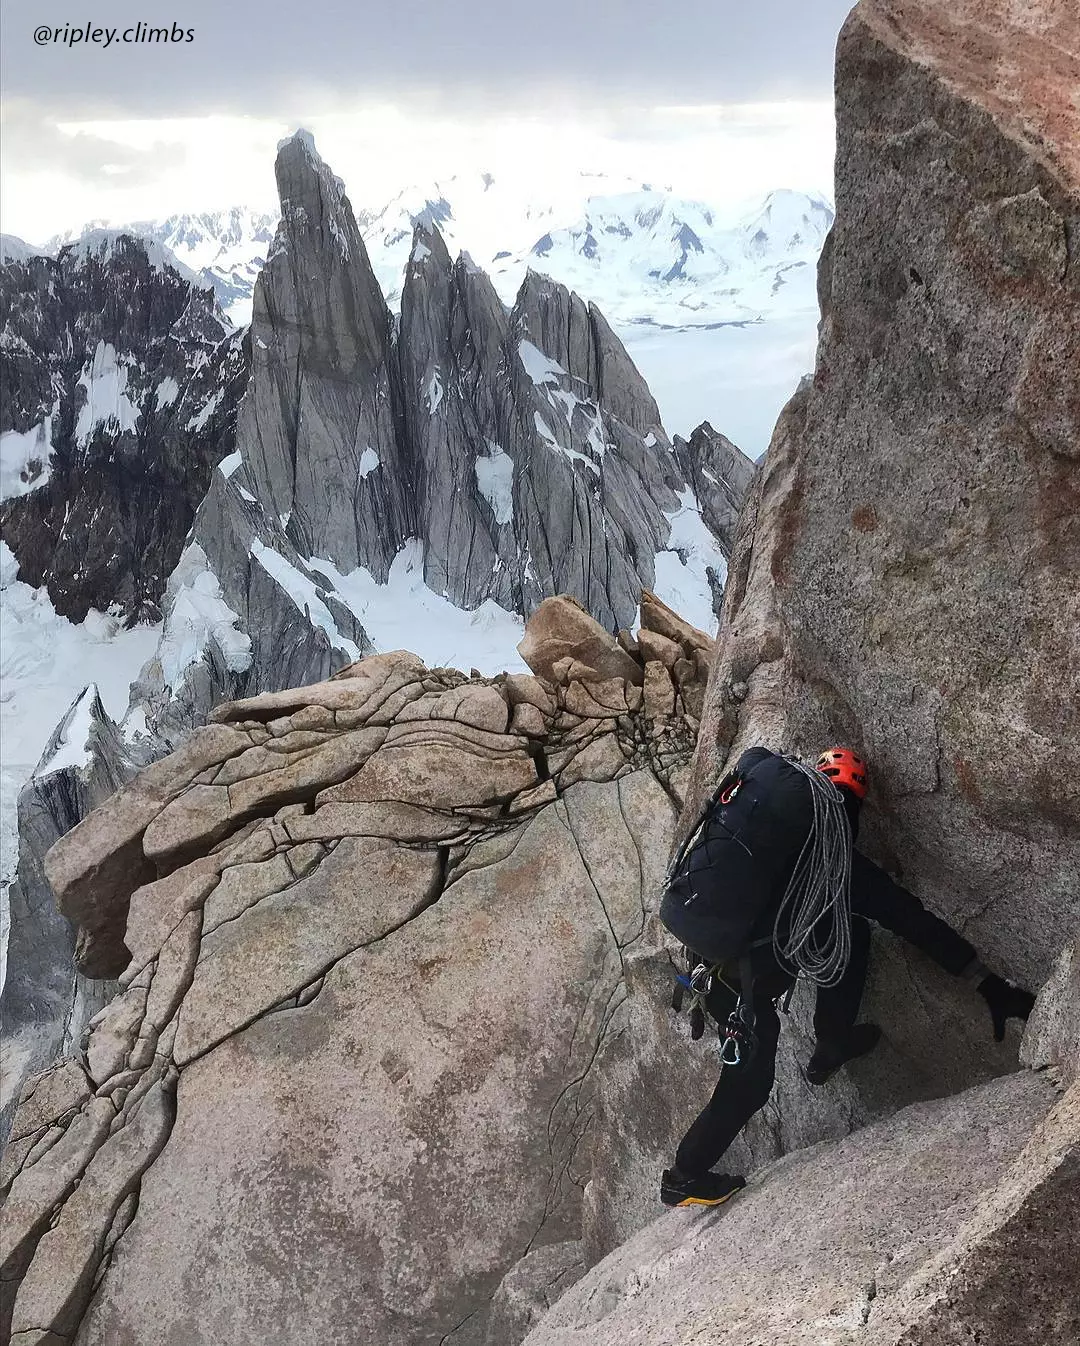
32,141
692,93
302,59
121,171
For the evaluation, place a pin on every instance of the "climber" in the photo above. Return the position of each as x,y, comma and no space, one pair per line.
819,928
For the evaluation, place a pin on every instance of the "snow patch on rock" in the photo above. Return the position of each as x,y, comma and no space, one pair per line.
681,569
73,748
198,614
168,390
24,459
404,613
107,403
208,408
303,593
540,368
495,480
228,465
434,392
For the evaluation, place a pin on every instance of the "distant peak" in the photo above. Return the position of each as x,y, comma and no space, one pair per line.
297,155
304,139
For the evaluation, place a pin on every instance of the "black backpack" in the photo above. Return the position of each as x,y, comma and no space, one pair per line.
726,885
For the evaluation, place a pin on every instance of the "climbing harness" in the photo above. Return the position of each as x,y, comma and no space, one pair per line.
737,1039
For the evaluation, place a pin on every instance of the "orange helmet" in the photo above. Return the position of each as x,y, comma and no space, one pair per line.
844,767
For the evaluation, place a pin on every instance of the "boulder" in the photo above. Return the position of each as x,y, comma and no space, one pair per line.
562,629
530,1289
949,1222
370,942
1052,1037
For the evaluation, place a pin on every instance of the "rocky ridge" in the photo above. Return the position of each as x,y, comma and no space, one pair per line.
317,868
506,455
120,384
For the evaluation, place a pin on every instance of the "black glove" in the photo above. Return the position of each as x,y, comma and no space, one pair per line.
1006,1001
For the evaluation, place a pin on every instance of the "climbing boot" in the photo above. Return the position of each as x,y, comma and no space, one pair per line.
1006,1001
708,1189
830,1054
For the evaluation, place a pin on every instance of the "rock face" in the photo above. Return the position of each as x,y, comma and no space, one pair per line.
120,383
908,1233
906,574
719,474
44,1008
904,579
387,916
504,456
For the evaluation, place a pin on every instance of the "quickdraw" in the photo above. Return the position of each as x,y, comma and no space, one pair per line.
739,1041
698,979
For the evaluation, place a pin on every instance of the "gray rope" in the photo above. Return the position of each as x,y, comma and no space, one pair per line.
815,911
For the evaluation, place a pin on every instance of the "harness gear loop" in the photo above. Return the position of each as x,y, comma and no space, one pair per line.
698,981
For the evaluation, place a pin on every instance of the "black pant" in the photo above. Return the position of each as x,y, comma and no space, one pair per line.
875,897
744,1089
740,1091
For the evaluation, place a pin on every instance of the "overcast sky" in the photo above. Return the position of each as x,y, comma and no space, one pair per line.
404,90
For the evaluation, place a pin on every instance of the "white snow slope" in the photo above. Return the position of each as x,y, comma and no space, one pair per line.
45,661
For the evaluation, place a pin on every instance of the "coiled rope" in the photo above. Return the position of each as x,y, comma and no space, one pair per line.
812,930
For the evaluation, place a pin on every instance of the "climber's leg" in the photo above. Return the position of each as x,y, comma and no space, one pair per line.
741,1091
839,1038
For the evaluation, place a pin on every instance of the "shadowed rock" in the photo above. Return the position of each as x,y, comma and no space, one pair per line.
45,1004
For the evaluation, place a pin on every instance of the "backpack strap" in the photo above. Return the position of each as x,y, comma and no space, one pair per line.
725,792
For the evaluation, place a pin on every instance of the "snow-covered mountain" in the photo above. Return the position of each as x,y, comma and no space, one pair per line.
717,304
14,249
225,249
660,260
640,252
121,382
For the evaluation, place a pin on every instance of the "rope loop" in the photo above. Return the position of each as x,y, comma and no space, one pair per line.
812,930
